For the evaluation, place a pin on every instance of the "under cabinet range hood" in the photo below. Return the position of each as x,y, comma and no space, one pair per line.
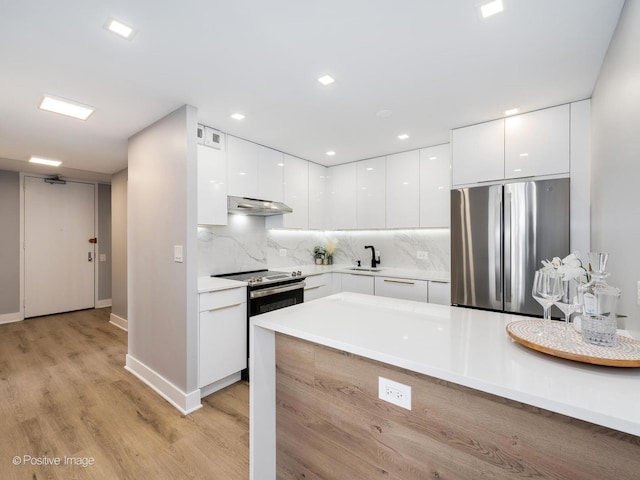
255,206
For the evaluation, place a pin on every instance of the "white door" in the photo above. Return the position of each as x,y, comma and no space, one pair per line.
59,222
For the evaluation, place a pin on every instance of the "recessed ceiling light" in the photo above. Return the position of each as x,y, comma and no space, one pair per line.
44,161
491,8
66,107
403,136
331,153
369,169
326,80
524,154
433,158
237,116
511,111
280,164
120,28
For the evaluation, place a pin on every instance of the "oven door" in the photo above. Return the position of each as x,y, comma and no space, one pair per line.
274,297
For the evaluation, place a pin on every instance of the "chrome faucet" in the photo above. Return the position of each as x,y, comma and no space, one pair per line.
374,262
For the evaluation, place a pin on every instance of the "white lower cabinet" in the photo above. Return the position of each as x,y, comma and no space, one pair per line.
403,288
357,283
318,286
222,335
440,292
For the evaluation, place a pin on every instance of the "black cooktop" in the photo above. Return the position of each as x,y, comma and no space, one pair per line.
261,277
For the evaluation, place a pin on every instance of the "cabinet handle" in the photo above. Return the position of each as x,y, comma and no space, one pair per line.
399,281
224,306
318,286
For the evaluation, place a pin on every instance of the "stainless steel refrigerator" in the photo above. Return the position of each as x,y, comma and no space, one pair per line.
499,236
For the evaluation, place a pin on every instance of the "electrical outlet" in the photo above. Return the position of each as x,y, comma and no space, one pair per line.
394,392
283,252
103,257
422,255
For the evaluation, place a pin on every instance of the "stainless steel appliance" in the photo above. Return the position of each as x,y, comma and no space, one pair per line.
255,206
268,290
499,236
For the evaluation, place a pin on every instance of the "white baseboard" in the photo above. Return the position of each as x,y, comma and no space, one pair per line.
119,322
220,384
11,317
184,402
103,303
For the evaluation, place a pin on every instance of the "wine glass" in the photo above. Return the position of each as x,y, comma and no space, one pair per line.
568,303
547,289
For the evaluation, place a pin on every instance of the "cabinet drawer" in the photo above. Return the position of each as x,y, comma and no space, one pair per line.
222,298
404,288
318,286
440,292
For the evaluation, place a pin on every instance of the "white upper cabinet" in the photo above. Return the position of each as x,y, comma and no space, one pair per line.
370,191
343,196
478,153
435,185
319,197
270,174
537,143
403,190
212,186
296,192
242,165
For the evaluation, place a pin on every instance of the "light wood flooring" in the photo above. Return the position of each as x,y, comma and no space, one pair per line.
64,392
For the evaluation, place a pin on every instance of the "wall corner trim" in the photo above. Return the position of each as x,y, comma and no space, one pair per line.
186,403
119,322
103,303
11,317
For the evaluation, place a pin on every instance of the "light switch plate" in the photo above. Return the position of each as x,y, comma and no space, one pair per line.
103,257
177,253
283,252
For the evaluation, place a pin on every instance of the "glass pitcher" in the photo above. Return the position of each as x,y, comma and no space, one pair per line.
599,301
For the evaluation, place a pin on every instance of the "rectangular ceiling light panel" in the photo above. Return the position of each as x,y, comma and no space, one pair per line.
45,161
491,8
66,107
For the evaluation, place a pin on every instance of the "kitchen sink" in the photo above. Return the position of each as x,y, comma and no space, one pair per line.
364,269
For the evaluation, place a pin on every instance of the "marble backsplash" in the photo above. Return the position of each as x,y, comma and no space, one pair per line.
245,244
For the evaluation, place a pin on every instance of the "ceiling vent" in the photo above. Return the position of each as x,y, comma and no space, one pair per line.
210,137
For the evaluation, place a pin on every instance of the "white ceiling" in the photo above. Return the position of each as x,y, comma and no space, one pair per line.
433,63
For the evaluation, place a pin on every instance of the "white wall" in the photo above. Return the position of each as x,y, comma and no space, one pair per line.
9,245
119,244
162,294
615,176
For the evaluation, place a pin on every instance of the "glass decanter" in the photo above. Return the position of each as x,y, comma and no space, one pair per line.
599,301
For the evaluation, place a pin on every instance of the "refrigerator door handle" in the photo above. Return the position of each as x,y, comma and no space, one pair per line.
507,248
498,248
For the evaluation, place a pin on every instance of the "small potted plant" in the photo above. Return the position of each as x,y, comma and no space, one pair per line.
319,254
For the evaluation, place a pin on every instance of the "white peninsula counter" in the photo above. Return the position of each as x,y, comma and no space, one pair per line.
464,348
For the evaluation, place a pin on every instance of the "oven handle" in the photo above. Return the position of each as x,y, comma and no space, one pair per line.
272,291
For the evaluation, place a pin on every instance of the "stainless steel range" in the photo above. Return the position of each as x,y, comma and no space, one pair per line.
268,290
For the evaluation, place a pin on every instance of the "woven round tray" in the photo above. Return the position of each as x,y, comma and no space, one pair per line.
625,354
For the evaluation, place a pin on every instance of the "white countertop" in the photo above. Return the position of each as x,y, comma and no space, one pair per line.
412,273
467,347
214,284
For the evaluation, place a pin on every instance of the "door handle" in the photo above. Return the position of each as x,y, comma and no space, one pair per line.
89,257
